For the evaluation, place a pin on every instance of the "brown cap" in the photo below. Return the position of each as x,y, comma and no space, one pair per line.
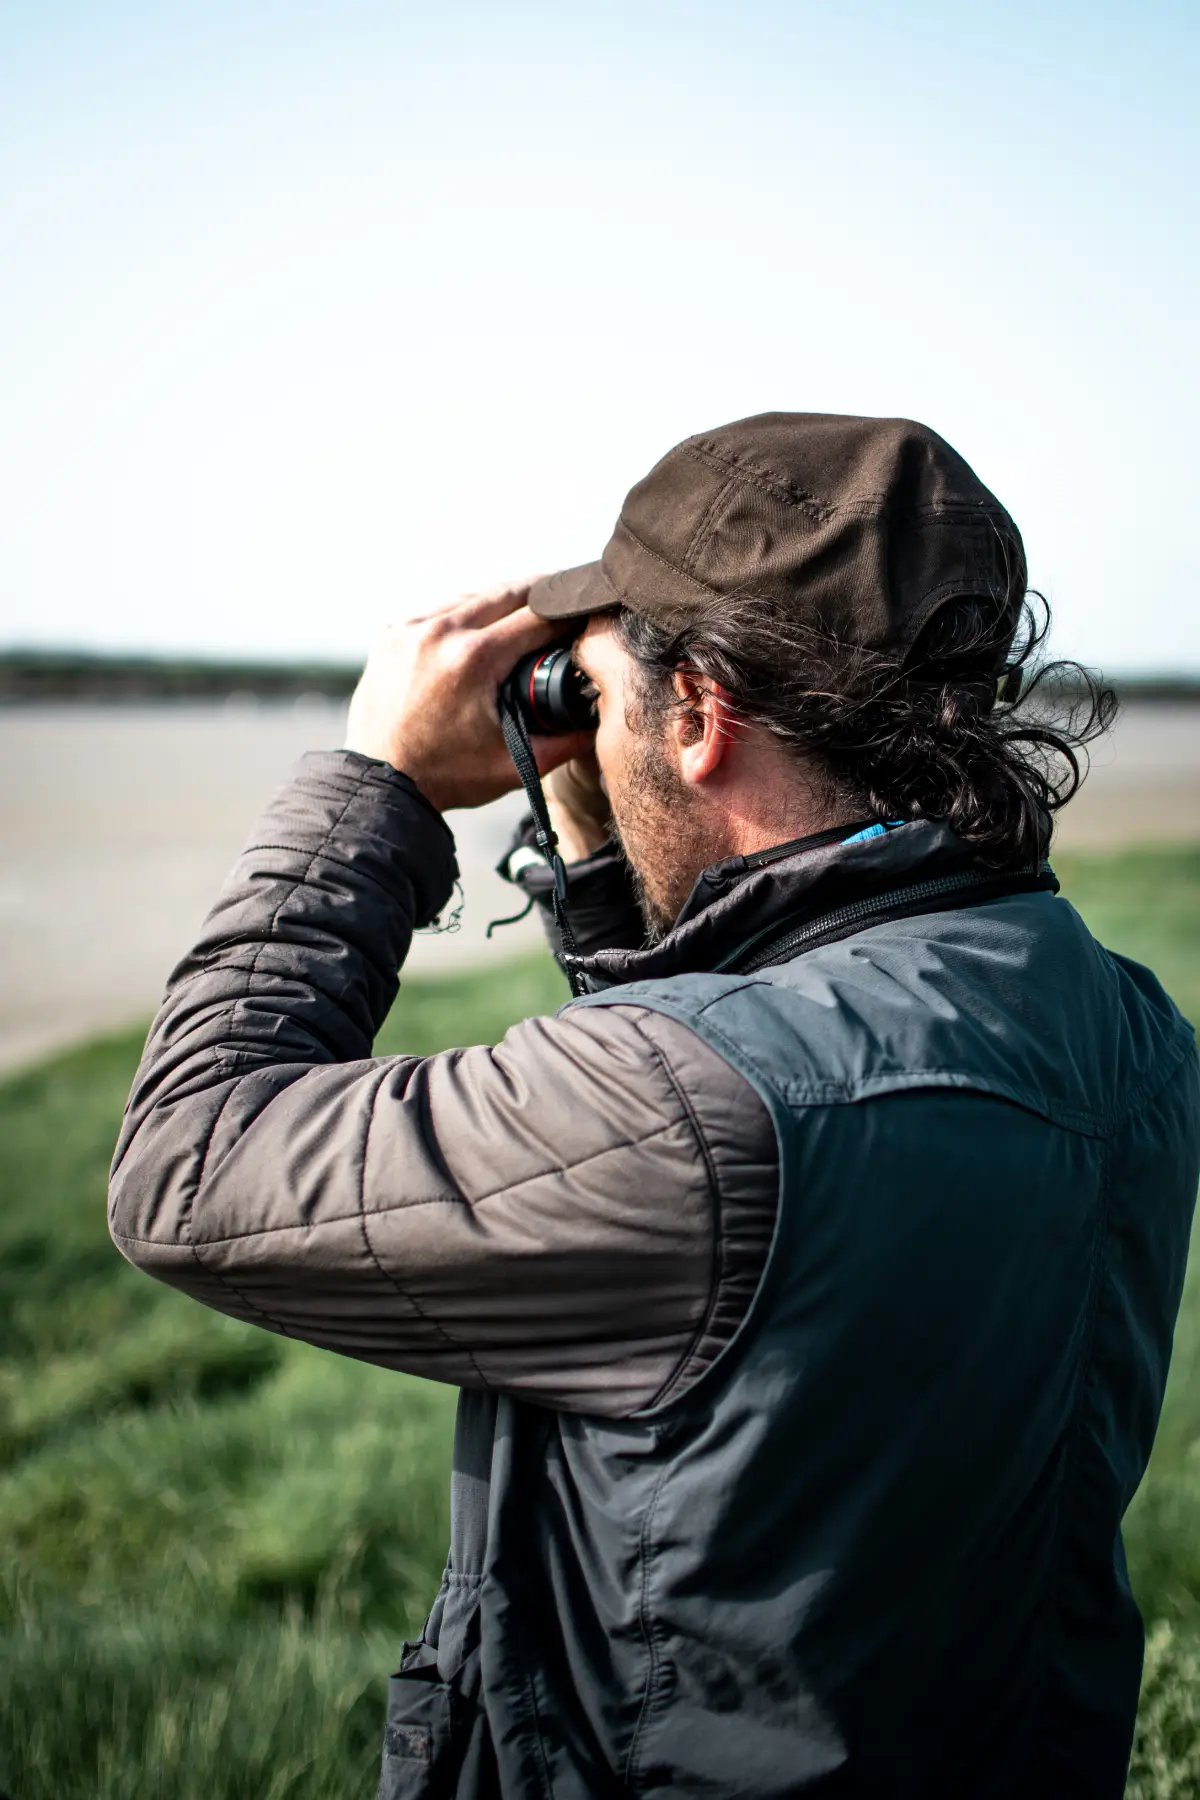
866,526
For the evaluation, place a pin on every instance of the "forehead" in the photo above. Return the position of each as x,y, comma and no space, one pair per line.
597,649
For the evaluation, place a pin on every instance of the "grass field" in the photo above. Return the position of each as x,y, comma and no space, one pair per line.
212,1540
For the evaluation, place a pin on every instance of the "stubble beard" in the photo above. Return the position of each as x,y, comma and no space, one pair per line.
666,841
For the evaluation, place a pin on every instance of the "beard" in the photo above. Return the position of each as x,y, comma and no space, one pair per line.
660,827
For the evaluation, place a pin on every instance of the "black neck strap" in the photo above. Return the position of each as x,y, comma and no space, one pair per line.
520,748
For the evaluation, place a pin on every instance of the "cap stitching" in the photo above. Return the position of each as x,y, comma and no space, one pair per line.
741,588
707,521
766,478
963,512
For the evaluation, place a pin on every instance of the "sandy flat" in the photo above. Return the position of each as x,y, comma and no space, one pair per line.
119,824
1143,786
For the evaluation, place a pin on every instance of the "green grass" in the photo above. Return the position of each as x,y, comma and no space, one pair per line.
1145,903
212,1540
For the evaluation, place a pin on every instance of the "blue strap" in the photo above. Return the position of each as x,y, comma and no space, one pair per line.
873,831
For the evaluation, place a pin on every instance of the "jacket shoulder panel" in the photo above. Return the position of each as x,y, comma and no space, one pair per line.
1012,998
739,1141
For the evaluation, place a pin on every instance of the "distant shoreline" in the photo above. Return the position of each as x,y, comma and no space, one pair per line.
33,675
82,675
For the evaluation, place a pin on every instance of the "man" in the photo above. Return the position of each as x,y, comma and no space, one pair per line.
811,1280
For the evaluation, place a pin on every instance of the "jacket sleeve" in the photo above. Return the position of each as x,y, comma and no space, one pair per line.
579,1215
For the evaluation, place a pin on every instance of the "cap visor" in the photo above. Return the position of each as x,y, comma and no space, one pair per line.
573,593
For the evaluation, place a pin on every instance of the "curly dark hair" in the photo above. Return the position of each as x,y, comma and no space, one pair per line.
970,725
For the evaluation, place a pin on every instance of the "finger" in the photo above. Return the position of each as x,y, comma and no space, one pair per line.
469,611
441,611
510,638
474,611
587,769
579,785
551,752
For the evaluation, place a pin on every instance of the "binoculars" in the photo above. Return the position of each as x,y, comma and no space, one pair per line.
551,693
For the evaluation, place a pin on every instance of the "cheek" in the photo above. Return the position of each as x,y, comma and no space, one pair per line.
612,749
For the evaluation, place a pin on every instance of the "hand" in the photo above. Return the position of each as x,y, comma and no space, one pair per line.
427,699
579,808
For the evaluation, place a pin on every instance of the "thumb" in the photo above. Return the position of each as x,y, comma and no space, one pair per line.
551,752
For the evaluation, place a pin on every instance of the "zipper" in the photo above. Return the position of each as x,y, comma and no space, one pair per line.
860,913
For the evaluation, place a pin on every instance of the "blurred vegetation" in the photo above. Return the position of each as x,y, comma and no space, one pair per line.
32,675
212,1540
1145,903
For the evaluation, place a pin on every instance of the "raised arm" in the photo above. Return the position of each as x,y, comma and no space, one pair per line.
579,1215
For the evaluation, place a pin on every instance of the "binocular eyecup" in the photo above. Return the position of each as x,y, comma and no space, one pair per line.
551,693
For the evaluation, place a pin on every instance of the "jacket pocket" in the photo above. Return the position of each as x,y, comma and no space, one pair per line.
418,1733
434,1740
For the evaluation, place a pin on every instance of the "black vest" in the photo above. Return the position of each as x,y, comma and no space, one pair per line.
875,1550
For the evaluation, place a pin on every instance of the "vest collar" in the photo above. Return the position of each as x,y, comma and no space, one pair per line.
739,907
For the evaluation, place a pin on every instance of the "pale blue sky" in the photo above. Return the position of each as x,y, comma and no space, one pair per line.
312,315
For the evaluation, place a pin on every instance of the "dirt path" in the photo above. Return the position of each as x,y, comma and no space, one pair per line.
119,824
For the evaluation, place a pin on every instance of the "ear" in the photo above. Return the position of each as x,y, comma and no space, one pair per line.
704,729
